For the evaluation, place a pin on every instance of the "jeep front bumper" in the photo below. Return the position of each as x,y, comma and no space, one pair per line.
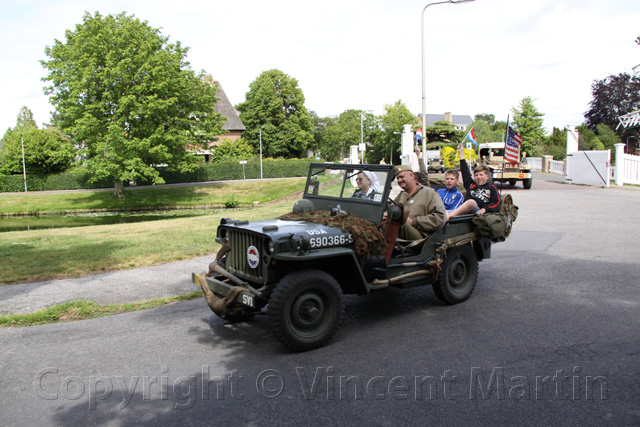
222,289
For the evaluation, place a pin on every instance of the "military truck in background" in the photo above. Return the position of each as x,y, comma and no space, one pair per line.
435,163
491,154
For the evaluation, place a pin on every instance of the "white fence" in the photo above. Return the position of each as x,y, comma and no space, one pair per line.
556,166
627,167
534,162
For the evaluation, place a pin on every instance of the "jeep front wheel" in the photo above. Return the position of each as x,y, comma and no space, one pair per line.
458,275
305,309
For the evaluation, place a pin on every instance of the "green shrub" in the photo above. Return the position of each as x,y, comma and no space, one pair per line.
232,203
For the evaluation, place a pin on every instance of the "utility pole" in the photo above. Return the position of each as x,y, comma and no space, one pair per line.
24,169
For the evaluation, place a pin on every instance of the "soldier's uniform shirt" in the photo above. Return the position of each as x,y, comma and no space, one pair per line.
425,209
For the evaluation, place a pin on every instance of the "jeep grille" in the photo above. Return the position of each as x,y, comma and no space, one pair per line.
237,263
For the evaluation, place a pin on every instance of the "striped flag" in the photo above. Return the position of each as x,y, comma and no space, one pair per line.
471,137
512,147
418,135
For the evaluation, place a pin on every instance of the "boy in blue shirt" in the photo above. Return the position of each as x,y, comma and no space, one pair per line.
451,196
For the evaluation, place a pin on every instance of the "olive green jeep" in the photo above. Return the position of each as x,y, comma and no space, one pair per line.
296,269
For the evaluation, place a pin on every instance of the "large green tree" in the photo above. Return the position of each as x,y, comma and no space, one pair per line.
487,129
321,130
129,98
608,136
529,123
333,136
442,132
392,124
229,149
275,103
45,150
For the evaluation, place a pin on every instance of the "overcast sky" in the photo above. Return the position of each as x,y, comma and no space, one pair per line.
481,57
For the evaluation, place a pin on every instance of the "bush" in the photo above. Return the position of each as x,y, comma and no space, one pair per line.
232,170
61,181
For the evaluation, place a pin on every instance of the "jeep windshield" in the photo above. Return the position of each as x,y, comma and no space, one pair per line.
358,189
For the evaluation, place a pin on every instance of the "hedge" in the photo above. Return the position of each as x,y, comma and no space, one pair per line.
60,181
232,170
223,171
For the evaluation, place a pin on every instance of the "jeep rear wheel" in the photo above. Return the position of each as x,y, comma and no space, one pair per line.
305,309
526,183
458,275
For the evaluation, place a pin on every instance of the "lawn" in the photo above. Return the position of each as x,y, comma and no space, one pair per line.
28,256
216,194
36,255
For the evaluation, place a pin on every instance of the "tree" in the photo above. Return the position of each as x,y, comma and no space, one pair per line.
612,97
608,136
444,132
346,131
588,139
320,130
333,136
529,123
489,119
275,103
487,129
237,149
392,122
129,98
45,150
25,119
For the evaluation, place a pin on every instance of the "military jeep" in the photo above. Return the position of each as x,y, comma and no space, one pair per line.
296,269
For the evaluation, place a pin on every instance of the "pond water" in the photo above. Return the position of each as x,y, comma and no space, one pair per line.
39,222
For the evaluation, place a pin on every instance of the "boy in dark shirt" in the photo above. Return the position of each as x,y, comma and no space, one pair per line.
479,190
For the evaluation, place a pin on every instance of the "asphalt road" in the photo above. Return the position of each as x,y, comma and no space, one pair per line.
549,337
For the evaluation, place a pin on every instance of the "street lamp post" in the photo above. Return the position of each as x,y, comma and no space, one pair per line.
261,151
24,168
424,136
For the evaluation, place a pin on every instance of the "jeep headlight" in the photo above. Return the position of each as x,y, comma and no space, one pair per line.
268,246
224,235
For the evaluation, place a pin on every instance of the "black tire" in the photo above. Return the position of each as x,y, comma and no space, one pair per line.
305,309
526,183
512,182
458,275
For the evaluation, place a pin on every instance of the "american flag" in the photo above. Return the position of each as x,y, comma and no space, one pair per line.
512,148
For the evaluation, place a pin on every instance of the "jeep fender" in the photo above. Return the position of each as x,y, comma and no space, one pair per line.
339,262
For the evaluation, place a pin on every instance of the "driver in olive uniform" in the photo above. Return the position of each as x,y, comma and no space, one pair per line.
424,210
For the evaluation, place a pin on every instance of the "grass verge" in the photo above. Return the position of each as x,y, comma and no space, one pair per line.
216,194
37,255
82,310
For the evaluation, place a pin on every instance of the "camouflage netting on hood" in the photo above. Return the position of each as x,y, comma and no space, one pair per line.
367,239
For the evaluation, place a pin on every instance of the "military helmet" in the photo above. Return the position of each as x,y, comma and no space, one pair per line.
303,206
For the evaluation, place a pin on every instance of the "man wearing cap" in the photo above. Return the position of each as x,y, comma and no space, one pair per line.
424,211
